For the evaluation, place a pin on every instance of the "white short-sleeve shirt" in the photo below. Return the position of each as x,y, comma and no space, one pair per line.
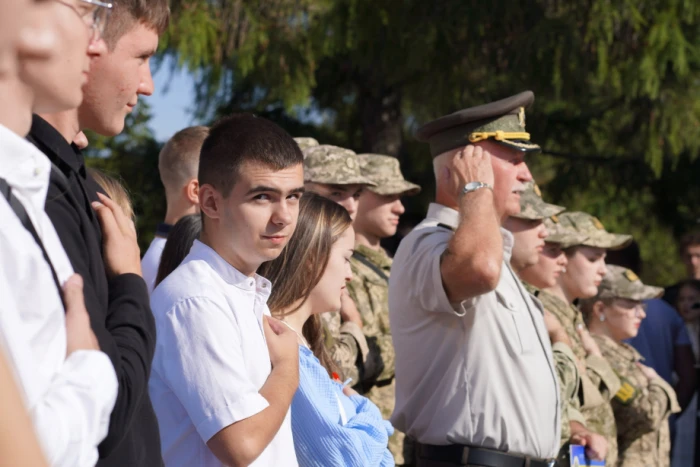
479,372
151,261
211,359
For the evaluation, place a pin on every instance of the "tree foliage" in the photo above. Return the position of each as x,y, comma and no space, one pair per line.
617,85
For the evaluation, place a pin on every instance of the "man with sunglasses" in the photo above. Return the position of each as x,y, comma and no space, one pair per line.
69,385
101,243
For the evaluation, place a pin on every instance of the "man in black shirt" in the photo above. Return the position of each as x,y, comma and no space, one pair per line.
115,294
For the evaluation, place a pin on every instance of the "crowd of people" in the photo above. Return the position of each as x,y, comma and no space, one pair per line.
265,325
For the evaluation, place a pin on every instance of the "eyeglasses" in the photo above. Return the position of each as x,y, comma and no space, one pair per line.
95,18
631,305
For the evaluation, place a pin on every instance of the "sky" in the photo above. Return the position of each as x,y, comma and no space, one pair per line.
171,103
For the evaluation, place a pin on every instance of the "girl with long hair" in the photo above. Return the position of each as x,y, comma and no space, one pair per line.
332,424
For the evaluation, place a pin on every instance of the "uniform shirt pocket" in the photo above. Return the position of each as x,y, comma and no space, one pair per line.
519,322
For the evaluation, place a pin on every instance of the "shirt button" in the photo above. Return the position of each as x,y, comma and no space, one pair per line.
264,286
251,283
37,171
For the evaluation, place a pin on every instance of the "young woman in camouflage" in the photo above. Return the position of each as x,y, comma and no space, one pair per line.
645,401
584,272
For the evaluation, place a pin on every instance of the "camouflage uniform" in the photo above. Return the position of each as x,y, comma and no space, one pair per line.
533,207
598,385
369,289
326,164
642,406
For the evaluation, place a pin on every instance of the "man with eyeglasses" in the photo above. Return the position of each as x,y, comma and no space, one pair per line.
69,385
101,243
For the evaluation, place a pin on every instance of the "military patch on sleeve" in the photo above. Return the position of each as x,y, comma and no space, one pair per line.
598,225
627,392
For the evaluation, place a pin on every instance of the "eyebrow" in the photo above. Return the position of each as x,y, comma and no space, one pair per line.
269,189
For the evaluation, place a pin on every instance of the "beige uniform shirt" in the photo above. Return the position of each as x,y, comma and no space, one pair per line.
479,372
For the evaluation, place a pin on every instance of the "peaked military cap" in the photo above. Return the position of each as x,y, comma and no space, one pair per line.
385,171
305,143
333,165
591,227
620,282
502,121
532,207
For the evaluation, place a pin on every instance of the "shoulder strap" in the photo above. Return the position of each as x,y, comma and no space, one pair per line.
363,259
21,213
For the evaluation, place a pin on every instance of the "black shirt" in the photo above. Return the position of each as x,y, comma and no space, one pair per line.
119,307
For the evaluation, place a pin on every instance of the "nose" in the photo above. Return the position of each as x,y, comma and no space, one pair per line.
563,261
543,231
146,86
348,272
399,207
283,214
641,313
96,48
524,174
350,204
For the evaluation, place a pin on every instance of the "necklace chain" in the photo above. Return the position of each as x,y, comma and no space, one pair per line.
303,340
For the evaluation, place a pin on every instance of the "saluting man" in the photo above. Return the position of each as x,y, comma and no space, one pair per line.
475,378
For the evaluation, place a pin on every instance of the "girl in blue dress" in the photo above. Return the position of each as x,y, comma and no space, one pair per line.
332,424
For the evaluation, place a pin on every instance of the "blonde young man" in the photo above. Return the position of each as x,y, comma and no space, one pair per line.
378,215
177,164
475,378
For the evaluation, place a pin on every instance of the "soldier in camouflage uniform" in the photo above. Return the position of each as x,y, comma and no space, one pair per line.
534,229
586,266
645,401
377,217
334,173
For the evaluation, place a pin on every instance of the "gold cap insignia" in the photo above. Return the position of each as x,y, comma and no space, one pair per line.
631,276
555,219
537,190
597,224
350,162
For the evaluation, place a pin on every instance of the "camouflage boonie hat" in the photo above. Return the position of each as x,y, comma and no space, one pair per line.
562,235
333,165
621,282
386,173
595,231
532,207
305,143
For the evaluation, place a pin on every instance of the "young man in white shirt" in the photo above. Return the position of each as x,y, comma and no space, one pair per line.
224,373
178,162
69,385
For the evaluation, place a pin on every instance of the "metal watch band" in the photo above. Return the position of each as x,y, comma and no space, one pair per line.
473,186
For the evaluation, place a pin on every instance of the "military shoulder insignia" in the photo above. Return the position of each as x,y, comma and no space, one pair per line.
598,225
631,276
627,392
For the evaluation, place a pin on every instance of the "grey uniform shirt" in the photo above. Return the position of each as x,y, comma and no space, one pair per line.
479,372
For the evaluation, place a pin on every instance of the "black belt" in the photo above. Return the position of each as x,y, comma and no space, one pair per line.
466,455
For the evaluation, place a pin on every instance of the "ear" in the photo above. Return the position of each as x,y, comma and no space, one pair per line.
192,191
210,201
598,309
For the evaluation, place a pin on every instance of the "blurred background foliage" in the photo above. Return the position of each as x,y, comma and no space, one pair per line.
617,88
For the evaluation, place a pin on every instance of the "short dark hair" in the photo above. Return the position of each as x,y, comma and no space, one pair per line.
689,239
241,138
180,240
125,14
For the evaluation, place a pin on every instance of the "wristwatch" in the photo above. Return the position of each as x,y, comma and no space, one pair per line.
473,186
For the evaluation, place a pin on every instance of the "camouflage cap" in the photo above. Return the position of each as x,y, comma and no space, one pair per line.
502,121
305,143
562,235
385,171
333,165
621,282
590,226
532,207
